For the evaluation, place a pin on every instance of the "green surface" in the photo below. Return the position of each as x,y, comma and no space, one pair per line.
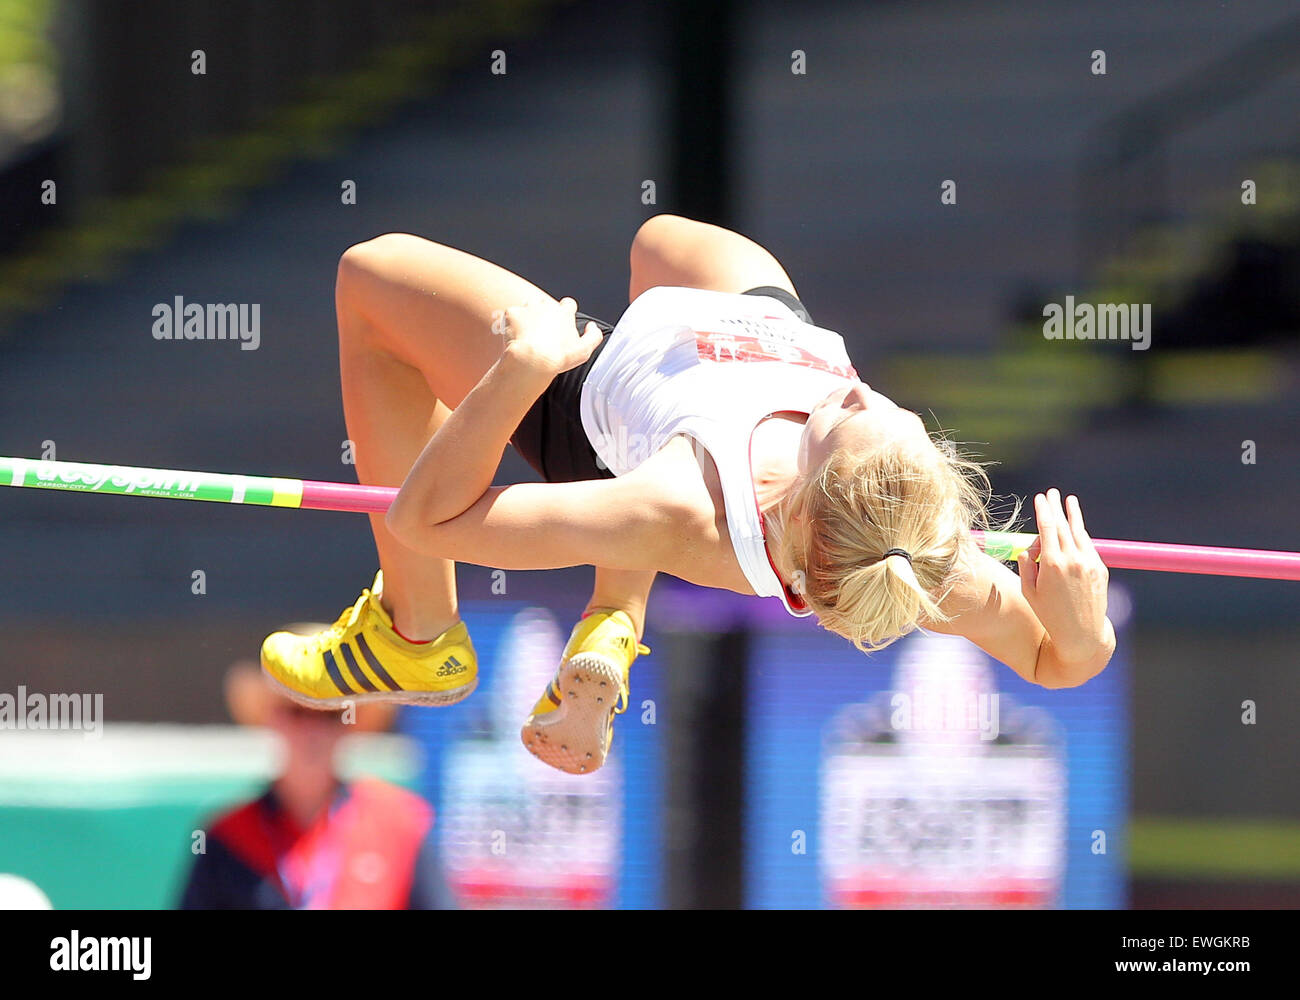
132,857
1187,848
23,39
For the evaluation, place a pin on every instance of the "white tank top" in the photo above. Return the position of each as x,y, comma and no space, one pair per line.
711,366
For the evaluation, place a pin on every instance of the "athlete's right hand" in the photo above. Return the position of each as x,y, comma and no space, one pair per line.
544,335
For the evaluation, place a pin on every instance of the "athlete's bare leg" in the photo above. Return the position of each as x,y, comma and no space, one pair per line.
672,250
415,323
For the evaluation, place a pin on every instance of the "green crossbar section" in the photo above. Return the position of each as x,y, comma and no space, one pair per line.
122,480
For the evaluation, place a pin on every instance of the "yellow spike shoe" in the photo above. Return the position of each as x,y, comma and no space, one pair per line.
361,658
572,725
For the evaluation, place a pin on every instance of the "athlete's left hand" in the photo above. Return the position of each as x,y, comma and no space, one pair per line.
544,335
1066,587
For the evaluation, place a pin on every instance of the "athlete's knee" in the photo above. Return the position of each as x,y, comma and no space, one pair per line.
359,267
355,262
657,232
362,266
370,255
657,250
661,221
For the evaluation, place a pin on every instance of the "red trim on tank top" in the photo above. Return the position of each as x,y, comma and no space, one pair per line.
792,600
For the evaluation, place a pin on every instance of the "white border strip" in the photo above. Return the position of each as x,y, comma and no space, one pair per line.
18,471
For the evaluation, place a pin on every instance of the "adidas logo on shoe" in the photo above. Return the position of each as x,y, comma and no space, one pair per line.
450,666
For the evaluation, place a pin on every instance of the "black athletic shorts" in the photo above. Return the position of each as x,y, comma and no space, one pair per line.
550,437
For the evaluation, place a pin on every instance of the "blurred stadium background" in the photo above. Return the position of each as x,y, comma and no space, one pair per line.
226,186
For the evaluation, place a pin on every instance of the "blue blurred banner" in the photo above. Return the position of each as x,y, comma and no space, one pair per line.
929,775
514,832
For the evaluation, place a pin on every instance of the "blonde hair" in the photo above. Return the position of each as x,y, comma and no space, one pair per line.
831,532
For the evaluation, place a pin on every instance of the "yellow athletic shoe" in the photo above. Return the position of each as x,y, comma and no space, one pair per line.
361,658
572,725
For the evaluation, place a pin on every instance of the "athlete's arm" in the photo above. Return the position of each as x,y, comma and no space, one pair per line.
1049,623
447,507
614,523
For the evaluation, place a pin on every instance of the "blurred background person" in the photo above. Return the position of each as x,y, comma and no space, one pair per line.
313,840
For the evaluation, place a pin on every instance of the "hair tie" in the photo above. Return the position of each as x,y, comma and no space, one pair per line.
899,552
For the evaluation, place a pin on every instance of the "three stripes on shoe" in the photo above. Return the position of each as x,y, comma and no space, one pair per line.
449,666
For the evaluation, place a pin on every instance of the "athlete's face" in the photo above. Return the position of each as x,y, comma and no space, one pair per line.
858,419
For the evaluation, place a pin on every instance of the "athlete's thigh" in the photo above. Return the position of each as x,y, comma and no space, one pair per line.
432,306
672,250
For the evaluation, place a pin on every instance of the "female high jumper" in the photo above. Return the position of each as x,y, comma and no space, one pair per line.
715,434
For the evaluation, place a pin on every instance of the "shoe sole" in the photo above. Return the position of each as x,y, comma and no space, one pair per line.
572,738
427,699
